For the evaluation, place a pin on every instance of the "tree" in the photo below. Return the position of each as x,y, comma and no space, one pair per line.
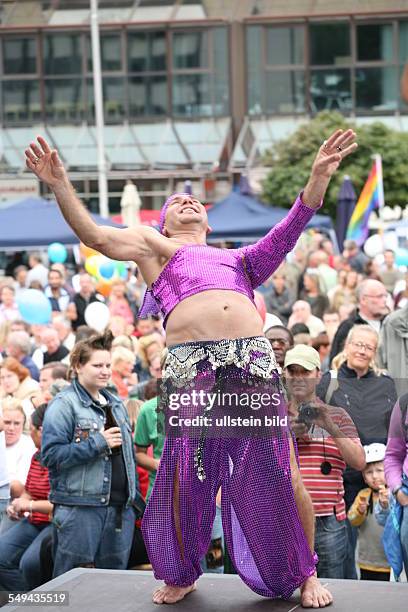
291,160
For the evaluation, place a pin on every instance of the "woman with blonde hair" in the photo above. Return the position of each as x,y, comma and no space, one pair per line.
123,377
368,395
129,342
149,346
16,382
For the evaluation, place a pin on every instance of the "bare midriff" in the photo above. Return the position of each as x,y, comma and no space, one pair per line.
213,315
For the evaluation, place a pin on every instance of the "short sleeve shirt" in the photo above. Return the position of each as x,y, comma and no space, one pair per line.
147,433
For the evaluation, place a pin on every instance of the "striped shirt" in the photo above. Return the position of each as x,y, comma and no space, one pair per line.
326,490
38,487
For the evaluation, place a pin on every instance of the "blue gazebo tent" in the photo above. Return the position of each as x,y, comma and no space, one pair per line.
34,223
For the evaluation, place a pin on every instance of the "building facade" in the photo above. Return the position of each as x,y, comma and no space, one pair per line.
192,90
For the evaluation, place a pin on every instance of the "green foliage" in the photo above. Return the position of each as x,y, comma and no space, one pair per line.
291,161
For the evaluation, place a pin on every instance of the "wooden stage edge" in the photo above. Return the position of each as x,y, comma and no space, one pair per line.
130,591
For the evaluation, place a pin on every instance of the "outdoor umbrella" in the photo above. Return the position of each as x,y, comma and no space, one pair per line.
130,204
345,206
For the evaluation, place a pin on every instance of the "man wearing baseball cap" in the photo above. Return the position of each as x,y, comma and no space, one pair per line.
327,440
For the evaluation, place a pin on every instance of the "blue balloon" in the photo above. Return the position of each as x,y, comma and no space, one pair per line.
57,253
401,257
34,307
107,269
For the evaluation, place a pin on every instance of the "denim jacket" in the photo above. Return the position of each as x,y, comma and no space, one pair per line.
76,453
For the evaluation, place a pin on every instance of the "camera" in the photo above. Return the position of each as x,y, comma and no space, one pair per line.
307,414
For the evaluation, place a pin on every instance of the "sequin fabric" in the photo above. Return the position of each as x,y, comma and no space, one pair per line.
262,528
195,268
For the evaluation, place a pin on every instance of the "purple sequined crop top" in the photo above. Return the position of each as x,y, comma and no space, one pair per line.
197,267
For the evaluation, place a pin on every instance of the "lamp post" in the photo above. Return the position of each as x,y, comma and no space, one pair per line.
98,95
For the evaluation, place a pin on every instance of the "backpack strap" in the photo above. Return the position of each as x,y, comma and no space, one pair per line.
333,386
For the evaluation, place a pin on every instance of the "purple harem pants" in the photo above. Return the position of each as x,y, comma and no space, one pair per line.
263,532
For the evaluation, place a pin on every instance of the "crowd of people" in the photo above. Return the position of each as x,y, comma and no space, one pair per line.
81,435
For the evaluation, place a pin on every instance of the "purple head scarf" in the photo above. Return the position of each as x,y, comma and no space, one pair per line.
165,206
149,304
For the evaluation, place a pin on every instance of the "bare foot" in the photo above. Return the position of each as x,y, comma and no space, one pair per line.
314,595
170,594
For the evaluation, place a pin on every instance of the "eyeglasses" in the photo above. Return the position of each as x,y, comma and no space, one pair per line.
380,296
361,346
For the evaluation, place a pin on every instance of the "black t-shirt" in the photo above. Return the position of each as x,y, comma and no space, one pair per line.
81,303
59,354
119,485
119,492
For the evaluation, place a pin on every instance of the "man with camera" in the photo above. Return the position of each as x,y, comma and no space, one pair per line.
327,440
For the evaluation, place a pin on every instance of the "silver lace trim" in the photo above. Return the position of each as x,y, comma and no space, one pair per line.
182,360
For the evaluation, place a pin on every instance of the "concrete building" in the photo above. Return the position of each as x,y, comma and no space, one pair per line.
192,90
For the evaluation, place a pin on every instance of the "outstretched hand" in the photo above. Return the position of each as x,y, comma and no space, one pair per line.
44,162
333,151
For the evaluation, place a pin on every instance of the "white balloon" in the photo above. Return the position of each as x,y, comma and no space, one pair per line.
97,316
374,245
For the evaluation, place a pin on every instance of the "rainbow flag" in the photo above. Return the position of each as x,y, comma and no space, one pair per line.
371,197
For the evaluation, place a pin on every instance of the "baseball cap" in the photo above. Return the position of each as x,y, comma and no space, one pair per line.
374,452
270,321
303,355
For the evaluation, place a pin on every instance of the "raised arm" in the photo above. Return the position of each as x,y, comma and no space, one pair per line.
266,255
122,244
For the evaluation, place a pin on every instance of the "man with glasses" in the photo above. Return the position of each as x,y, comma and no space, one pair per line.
368,396
371,310
281,340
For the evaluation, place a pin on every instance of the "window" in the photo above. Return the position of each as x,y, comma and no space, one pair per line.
21,101
329,85
64,92
403,55
19,55
147,95
113,78
352,67
330,90
376,88
376,74
276,83
403,42
329,44
20,90
111,52
147,75
190,50
284,46
114,98
375,42
146,51
285,92
192,95
64,99
200,84
62,54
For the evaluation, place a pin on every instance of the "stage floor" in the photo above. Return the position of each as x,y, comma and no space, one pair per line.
130,591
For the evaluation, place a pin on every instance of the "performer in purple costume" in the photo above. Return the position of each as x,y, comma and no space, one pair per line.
214,333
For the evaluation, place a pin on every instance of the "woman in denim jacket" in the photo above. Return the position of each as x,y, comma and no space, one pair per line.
87,447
